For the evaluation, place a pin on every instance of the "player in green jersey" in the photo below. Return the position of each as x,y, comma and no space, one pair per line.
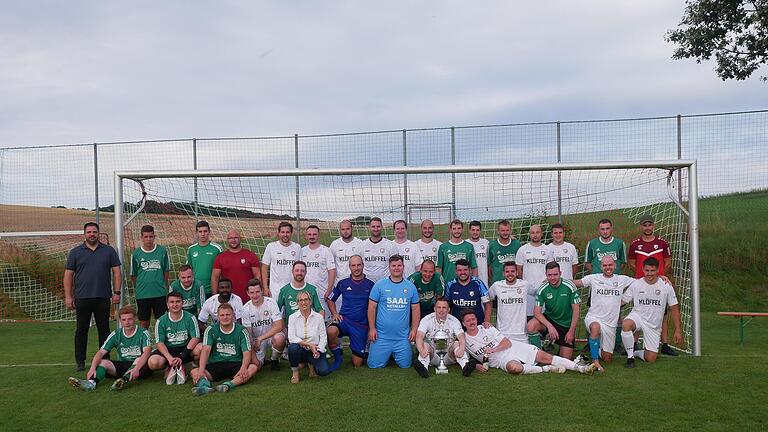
177,336
557,310
454,250
149,273
133,348
605,244
429,285
502,250
202,254
192,290
225,355
288,301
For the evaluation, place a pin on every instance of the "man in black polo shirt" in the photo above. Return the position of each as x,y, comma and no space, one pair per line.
88,271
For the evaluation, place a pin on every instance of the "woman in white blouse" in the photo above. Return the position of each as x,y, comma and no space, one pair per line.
307,338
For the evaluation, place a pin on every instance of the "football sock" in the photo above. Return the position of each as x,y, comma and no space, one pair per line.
462,360
101,372
640,354
203,382
337,358
594,348
564,362
534,339
528,369
629,342
229,384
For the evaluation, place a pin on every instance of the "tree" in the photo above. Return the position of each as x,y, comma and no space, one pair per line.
734,32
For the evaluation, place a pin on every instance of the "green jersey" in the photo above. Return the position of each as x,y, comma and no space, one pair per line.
192,297
428,292
596,249
176,333
498,254
449,253
226,347
129,348
201,259
556,302
149,268
287,301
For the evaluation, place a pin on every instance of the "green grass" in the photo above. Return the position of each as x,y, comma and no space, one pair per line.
724,388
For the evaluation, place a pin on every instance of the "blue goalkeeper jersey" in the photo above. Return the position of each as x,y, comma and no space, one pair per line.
355,304
393,313
472,296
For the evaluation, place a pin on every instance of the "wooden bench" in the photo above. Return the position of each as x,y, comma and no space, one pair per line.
742,321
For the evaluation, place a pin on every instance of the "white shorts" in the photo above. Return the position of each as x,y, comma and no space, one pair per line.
519,352
516,338
434,359
651,335
261,353
607,333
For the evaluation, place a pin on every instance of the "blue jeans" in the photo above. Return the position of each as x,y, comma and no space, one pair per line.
297,354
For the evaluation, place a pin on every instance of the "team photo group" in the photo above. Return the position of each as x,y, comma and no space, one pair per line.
421,304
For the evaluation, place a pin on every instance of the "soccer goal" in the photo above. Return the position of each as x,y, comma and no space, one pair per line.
578,195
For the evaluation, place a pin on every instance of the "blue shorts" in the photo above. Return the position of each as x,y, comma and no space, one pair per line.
381,349
357,333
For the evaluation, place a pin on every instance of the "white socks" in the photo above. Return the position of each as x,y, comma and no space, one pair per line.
528,369
564,362
627,337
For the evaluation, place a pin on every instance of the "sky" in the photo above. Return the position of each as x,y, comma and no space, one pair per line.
93,71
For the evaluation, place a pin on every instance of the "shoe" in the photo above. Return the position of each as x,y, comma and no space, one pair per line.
181,375
79,367
469,367
284,356
589,369
423,372
222,388
580,360
170,379
118,384
667,350
86,385
202,390
275,365
630,363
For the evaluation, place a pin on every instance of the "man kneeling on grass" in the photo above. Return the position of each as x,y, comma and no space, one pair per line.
226,355
133,349
177,336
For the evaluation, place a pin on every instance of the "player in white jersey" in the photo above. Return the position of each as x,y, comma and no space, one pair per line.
490,349
262,319
602,318
512,294
345,247
531,260
321,267
278,259
650,295
441,320
480,245
564,253
407,249
376,252
211,306
427,245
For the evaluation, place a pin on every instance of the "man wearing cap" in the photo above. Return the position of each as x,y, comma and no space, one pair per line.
646,246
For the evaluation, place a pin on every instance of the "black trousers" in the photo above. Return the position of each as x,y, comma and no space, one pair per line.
84,309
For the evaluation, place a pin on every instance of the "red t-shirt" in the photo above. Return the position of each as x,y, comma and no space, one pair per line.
641,250
236,266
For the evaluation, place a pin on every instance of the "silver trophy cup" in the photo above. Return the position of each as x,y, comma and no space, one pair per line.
441,339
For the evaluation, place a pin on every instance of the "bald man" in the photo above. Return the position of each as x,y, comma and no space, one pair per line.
237,264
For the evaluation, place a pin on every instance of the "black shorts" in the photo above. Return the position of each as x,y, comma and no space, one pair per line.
176,352
223,370
121,367
561,332
148,306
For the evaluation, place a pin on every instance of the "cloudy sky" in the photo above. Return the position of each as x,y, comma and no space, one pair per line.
105,71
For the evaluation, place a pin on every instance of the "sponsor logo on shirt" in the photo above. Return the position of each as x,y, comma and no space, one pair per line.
226,349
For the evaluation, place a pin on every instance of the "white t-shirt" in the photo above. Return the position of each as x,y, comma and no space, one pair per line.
533,259
411,256
565,255
280,260
428,250
259,319
211,307
485,338
319,261
429,325
605,296
481,256
511,315
376,257
650,301
341,251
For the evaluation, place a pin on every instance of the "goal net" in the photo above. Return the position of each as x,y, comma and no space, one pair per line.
576,195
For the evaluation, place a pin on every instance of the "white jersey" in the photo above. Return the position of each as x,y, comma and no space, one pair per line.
411,256
511,315
211,307
319,261
485,338
428,250
650,301
533,260
376,257
280,260
429,325
259,319
566,255
481,256
342,251
605,296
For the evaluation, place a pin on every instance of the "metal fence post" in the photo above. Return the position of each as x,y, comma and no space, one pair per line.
559,180
298,205
405,177
679,156
96,178
453,175
194,167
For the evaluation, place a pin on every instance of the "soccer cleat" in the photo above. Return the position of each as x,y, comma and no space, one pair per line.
118,384
556,369
580,360
222,388
202,390
469,367
79,367
275,365
86,385
423,372
667,350
630,363
170,379
181,375
589,369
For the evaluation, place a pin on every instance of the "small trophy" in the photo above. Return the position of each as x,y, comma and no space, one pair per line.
440,339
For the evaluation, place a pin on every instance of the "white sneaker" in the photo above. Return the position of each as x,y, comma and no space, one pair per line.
181,375
588,369
170,379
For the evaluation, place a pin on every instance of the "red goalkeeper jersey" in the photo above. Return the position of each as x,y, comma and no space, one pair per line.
641,250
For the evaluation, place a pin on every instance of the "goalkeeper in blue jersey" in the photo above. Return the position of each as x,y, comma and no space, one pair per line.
393,303
468,292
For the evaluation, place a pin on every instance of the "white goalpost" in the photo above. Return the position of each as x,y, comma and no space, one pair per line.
576,194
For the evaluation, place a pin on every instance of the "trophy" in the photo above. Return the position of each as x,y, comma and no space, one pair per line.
441,339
